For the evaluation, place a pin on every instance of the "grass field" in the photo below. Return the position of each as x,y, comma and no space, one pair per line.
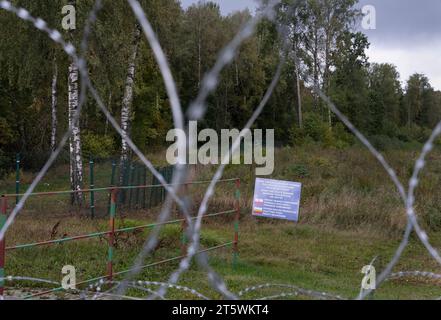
350,214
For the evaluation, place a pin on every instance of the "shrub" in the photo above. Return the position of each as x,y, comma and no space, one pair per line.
317,130
97,146
433,219
314,128
5,163
296,171
383,142
342,135
415,133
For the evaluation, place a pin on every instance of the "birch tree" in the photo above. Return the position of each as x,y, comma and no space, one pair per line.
76,161
54,106
126,109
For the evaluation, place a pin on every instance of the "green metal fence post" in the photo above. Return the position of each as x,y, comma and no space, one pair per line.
17,177
144,182
131,184
92,186
3,212
112,182
184,239
113,197
153,192
112,177
125,181
138,184
164,174
236,225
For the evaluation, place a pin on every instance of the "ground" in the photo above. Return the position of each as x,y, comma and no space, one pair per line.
350,214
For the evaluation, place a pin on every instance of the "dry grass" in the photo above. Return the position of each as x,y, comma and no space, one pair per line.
350,213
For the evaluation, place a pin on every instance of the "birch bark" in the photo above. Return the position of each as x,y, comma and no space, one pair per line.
54,107
76,163
126,109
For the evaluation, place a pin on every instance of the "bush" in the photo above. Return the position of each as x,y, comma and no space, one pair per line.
433,219
296,171
390,129
97,146
5,163
317,130
314,129
415,133
383,142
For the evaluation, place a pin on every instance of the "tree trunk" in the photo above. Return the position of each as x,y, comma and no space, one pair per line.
199,58
316,69
54,107
126,111
326,78
299,97
76,164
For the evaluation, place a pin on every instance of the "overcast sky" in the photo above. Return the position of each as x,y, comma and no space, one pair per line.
227,6
408,34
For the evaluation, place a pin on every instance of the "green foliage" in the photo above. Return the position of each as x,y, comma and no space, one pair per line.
384,142
296,171
4,163
414,134
97,146
6,133
315,130
369,95
433,219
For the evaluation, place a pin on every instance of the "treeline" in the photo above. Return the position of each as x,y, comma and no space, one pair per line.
36,93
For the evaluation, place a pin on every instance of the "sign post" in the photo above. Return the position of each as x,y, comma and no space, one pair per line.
277,199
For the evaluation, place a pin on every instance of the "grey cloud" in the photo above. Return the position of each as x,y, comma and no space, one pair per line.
227,6
406,21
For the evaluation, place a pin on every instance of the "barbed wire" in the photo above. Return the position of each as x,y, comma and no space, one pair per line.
302,291
197,111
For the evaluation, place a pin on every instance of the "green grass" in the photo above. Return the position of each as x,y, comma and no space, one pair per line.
350,214
305,256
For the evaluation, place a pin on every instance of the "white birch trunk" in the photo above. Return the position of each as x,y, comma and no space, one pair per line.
299,98
54,107
126,109
76,164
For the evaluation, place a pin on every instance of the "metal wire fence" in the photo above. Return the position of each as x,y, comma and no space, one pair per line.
130,174
197,111
113,231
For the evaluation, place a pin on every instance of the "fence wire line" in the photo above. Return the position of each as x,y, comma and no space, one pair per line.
196,111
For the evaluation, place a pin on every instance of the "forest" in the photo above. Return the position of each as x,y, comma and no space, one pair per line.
134,225
322,47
